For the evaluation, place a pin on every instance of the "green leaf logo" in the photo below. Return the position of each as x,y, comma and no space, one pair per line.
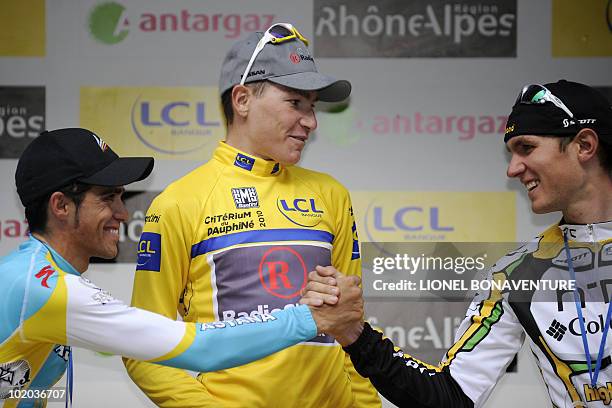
108,23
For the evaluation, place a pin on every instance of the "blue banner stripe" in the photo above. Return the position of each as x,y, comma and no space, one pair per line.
271,235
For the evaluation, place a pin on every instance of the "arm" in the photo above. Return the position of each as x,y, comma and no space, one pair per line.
96,321
486,342
402,379
346,258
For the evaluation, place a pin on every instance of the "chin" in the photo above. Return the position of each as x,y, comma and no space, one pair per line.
542,208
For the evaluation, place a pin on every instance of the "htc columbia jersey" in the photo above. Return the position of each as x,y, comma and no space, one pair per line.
236,238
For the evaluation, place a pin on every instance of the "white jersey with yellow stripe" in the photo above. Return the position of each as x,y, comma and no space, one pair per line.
497,323
46,307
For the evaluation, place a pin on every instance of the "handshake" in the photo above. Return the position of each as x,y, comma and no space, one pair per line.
335,302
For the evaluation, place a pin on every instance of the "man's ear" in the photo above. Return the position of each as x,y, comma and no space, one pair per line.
587,142
241,98
59,206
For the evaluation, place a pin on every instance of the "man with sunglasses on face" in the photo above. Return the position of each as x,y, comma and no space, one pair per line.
237,236
559,136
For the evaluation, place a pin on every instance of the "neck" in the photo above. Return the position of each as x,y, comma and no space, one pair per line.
593,205
236,139
61,244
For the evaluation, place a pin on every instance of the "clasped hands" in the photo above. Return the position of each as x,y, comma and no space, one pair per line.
336,303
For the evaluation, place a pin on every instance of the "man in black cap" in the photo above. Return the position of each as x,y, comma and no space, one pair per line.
238,235
71,182
559,136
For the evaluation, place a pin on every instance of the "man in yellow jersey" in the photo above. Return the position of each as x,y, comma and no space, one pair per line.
70,183
238,236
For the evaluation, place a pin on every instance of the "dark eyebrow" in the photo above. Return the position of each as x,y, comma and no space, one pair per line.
112,190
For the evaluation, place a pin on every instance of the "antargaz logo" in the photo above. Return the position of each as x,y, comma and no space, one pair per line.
108,23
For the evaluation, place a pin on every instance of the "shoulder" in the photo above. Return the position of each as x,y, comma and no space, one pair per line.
538,246
317,180
192,188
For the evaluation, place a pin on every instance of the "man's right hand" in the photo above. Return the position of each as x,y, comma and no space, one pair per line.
336,304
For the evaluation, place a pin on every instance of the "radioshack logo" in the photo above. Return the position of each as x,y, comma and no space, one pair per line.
299,56
556,330
305,212
110,22
22,118
282,272
422,28
293,57
171,123
245,197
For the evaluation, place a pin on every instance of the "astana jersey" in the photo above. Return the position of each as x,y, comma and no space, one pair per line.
498,321
236,238
46,306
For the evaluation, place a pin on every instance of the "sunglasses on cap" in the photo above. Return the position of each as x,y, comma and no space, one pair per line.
536,94
276,34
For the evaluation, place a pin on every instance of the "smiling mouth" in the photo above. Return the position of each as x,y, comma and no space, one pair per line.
300,138
532,184
112,231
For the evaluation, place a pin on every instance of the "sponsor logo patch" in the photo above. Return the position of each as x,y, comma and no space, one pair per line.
274,272
305,212
269,279
601,393
44,274
421,28
244,162
149,252
582,259
245,197
556,330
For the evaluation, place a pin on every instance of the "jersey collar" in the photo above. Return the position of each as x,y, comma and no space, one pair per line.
242,161
587,232
57,258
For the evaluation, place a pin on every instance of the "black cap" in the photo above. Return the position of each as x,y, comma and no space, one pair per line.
59,157
590,107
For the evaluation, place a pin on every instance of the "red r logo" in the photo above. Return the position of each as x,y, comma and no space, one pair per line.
294,58
286,272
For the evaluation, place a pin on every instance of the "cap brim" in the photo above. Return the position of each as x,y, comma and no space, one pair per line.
123,171
328,89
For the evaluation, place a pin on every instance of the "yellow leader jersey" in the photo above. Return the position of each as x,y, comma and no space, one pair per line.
236,238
